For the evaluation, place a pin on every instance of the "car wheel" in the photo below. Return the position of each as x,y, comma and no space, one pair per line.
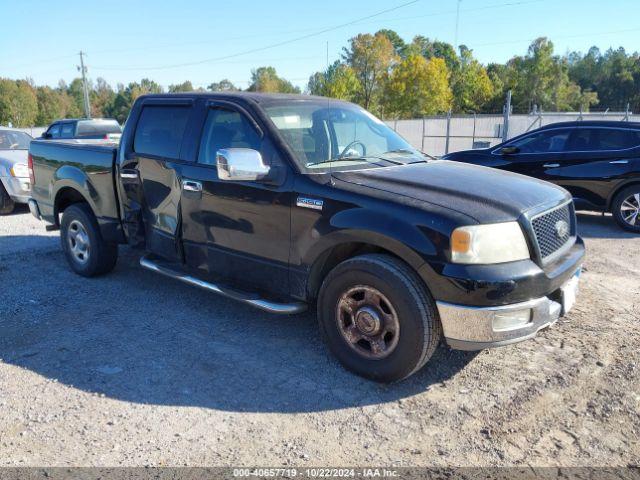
626,208
7,205
86,251
378,318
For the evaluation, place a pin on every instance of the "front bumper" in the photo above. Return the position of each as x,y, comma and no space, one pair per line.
477,328
19,189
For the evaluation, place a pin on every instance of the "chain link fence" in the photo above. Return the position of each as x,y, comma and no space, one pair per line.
441,134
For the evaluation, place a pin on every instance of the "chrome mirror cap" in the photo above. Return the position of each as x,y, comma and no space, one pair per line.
240,164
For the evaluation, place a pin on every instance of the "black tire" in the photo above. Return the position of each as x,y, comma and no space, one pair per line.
620,207
100,256
420,330
7,205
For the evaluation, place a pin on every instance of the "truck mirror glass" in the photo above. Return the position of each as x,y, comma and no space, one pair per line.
240,165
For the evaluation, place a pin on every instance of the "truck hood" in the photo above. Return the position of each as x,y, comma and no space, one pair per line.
484,194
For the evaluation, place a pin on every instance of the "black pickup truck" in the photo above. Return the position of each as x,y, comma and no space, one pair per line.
287,201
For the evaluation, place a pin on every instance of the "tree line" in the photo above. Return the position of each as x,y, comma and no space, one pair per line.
384,74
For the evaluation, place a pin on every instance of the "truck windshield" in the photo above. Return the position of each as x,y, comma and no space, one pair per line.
14,140
339,136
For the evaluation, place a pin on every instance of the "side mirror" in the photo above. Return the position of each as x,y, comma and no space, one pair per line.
46,135
240,165
509,150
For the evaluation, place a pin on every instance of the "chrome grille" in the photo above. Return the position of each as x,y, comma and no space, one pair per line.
554,229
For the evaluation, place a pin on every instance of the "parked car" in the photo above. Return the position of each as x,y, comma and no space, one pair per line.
15,186
84,129
286,201
598,162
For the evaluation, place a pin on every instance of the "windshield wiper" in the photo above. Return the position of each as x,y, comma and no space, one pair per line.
367,159
405,150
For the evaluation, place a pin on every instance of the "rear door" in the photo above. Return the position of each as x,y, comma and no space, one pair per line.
157,157
597,160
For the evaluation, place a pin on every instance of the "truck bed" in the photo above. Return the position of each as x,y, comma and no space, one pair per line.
64,169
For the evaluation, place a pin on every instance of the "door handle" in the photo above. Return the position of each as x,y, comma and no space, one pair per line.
191,186
130,173
619,162
551,165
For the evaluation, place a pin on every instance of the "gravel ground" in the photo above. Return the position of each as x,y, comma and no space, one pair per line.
135,369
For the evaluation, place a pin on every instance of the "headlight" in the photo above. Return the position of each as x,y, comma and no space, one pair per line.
487,244
20,170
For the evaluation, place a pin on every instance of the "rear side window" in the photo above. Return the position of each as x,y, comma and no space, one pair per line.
160,130
610,139
67,130
226,128
603,139
97,127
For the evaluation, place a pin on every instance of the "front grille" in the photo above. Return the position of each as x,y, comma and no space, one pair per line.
554,229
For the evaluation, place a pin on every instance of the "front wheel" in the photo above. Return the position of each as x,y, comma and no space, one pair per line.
378,318
626,208
86,251
7,205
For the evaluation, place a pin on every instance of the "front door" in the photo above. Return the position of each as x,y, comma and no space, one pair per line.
236,230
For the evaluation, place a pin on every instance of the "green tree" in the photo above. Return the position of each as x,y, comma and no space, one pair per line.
224,85
399,45
371,57
434,49
181,87
471,85
125,97
18,103
101,97
266,79
418,87
338,81
51,105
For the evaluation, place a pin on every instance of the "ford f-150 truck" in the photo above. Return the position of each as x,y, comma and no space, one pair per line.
287,201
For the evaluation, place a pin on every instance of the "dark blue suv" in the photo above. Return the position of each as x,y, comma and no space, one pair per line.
597,161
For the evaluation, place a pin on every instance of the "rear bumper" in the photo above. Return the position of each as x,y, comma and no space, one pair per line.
477,328
34,209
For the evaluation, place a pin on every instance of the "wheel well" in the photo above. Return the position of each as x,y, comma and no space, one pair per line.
332,257
615,194
65,197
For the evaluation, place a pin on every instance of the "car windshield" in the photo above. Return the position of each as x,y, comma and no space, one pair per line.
339,136
10,140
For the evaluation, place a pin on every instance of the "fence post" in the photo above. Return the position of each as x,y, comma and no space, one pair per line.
626,113
473,138
424,132
446,147
507,114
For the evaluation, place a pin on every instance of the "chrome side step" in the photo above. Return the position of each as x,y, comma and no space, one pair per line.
266,305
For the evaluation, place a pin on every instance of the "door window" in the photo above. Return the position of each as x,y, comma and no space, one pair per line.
226,128
66,131
549,141
160,130
55,131
611,139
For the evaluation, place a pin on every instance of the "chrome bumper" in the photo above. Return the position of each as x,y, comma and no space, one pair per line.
474,328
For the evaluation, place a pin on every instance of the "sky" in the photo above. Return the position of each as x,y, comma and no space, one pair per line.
206,41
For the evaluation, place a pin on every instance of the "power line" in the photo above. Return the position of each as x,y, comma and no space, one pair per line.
267,47
580,35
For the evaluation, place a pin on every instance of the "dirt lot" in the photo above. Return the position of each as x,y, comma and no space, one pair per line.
135,369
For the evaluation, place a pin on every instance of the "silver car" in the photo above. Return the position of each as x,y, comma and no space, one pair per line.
15,185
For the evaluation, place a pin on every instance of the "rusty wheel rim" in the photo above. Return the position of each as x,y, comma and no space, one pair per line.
368,322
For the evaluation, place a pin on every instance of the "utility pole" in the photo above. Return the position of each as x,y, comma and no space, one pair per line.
83,69
455,42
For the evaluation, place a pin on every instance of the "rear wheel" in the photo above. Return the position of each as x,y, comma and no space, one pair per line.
6,203
626,208
86,251
378,318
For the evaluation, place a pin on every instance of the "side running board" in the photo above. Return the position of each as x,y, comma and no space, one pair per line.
266,305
